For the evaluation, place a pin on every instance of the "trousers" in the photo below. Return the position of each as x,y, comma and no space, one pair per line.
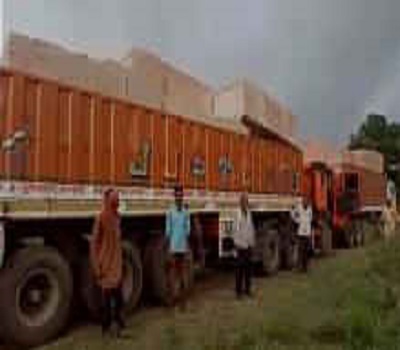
112,304
243,271
305,247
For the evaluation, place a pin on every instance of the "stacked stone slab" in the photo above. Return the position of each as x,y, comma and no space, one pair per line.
144,78
41,58
177,92
367,159
141,77
245,98
321,151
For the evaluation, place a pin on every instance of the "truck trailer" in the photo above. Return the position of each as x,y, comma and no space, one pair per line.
61,146
347,194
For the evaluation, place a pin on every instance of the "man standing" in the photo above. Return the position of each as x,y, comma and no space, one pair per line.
244,238
389,220
177,233
106,259
302,216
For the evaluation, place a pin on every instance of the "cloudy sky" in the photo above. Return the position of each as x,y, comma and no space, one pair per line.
330,61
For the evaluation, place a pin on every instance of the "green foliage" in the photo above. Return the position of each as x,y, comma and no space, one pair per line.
376,133
349,301
370,313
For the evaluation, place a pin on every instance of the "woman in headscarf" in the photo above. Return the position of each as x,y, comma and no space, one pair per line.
106,258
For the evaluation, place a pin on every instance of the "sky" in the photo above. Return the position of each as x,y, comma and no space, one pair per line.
1,29
330,61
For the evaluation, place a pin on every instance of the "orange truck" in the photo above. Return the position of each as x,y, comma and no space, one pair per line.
61,145
347,194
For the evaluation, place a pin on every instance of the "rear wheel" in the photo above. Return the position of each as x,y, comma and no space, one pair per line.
326,238
359,233
161,281
349,236
269,251
293,254
189,271
36,295
132,282
156,265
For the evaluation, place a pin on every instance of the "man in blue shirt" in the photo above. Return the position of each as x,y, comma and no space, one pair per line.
177,233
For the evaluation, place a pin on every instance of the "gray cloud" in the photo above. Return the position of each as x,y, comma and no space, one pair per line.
331,61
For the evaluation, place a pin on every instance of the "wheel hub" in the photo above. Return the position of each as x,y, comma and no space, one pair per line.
37,297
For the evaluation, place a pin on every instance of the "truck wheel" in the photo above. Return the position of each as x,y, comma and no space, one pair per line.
269,245
352,240
189,271
161,282
132,282
89,291
36,295
326,238
293,255
349,235
358,233
156,264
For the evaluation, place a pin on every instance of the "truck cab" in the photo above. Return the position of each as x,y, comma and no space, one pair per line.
318,188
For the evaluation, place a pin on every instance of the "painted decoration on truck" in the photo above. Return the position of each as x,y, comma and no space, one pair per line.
18,137
225,166
295,181
198,167
140,166
16,147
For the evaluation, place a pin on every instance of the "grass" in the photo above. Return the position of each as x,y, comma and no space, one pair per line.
349,301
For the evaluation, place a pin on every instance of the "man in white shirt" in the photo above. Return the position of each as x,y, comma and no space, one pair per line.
389,220
302,216
244,238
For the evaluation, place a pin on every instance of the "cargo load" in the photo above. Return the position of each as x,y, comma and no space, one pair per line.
320,151
245,98
140,77
79,136
180,92
366,159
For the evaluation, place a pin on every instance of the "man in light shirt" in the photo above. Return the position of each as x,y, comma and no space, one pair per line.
389,220
244,238
177,233
302,216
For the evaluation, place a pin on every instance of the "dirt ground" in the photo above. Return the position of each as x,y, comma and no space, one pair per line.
285,306
288,311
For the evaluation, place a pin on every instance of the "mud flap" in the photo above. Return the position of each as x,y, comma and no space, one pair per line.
2,244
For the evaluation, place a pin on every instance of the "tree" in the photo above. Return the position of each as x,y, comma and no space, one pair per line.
376,133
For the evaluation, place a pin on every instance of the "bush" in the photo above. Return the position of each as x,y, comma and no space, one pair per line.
370,313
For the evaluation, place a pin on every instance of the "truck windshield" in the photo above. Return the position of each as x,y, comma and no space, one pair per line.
351,183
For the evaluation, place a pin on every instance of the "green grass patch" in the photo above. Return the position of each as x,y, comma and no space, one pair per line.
349,301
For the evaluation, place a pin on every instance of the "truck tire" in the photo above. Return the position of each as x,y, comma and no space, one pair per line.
358,233
189,271
157,265
326,238
292,254
132,283
36,295
90,293
270,252
352,240
349,237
